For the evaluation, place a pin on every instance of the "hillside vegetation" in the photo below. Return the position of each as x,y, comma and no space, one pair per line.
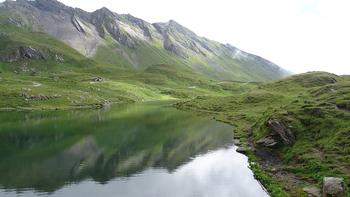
315,106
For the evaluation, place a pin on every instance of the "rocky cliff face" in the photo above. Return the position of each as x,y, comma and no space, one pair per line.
60,21
87,32
30,53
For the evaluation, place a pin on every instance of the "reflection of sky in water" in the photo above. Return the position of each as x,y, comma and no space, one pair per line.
222,173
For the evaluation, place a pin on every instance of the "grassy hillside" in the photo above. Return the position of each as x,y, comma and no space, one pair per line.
146,55
149,54
314,105
77,82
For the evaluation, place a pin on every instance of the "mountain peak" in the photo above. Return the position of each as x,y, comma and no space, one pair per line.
104,11
173,22
48,5
173,27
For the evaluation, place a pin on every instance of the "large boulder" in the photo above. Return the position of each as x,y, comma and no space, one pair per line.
333,187
98,79
279,133
282,131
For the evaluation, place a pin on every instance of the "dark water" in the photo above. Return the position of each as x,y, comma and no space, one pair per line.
139,150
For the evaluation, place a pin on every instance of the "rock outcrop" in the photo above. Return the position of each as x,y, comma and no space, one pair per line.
39,97
15,21
170,45
280,129
279,134
24,53
344,105
30,53
333,187
77,25
107,22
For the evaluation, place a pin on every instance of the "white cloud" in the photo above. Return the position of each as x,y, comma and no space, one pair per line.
299,35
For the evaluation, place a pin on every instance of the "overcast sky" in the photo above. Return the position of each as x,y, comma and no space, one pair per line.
299,35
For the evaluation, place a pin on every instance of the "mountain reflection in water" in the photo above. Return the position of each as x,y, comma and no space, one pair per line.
129,150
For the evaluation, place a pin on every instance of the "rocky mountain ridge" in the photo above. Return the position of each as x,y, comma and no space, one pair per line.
124,34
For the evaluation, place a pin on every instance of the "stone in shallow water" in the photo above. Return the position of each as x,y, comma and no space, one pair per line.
333,187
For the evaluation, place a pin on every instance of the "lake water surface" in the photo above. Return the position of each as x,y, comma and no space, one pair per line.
137,150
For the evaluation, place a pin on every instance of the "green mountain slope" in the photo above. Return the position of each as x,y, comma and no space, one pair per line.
38,71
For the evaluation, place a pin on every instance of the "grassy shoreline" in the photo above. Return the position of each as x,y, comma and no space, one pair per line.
315,106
